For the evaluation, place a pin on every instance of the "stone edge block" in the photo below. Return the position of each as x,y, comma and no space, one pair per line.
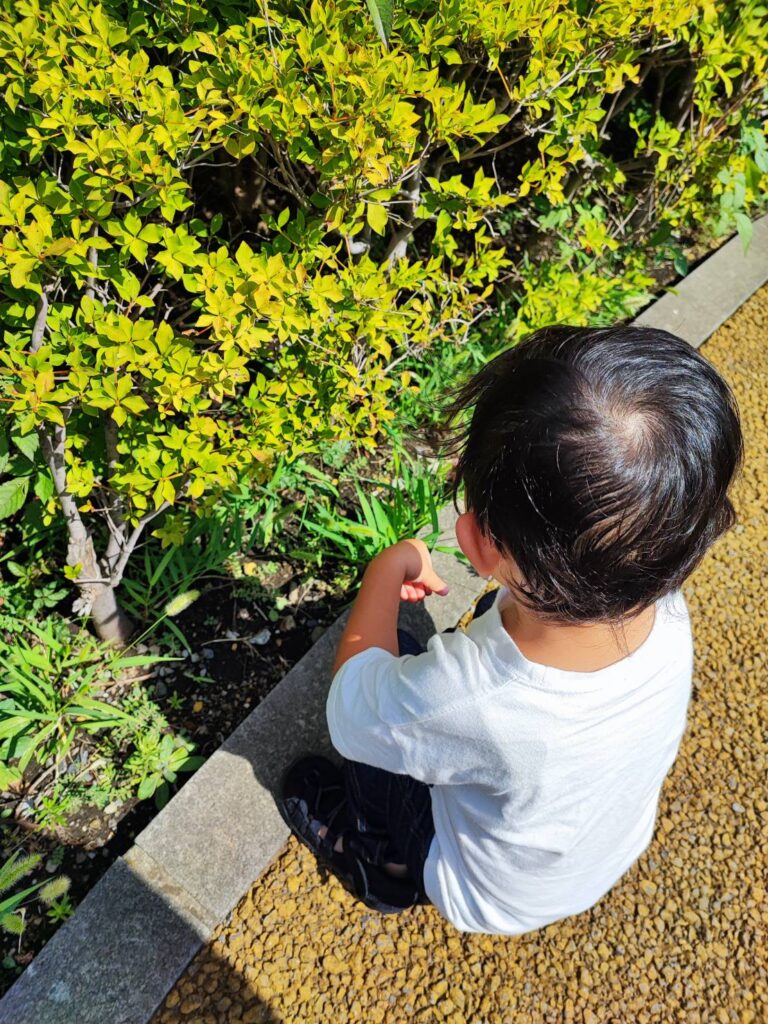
713,291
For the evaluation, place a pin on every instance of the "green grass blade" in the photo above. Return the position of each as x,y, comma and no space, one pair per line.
177,633
161,566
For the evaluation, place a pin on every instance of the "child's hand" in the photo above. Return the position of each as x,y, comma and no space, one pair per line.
402,572
419,578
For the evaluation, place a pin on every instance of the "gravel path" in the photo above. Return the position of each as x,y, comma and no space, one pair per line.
681,938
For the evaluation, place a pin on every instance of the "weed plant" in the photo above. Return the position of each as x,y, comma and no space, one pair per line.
50,892
52,687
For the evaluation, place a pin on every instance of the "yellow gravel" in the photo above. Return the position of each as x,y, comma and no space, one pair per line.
681,938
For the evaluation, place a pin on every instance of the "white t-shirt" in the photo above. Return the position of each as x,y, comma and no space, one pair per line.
545,781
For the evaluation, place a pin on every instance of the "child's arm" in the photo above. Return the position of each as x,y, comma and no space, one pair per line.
401,572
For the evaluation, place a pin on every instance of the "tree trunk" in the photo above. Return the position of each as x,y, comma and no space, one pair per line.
97,596
109,620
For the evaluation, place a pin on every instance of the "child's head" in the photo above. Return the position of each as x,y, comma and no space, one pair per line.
596,465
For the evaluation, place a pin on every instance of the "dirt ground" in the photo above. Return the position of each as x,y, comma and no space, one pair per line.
681,938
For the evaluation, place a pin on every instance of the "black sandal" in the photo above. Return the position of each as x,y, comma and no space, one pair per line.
313,795
381,891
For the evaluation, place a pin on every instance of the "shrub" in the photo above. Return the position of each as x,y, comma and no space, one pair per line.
160,356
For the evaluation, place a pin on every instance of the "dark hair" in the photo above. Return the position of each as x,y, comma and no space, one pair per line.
600,460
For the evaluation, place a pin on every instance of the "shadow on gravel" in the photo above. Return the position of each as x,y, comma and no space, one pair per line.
214,990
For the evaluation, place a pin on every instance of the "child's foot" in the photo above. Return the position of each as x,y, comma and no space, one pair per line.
338,845
312,805
395,870
312,802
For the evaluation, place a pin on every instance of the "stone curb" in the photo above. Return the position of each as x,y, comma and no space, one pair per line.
711,293
115,960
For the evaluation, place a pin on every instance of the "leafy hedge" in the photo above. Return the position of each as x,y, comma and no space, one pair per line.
159,355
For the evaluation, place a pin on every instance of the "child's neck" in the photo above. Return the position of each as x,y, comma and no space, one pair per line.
585,648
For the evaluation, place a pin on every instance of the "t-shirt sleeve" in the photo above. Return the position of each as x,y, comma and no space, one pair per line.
383,710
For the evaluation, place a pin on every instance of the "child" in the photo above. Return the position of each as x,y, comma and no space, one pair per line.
511,774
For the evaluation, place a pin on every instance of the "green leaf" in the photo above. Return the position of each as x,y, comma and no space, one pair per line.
444,224
162,795
662,233
13,494
4,457
137,660
173,628
12,727
382,12
680,263
376,215
744,227
44,488
27,444
147,787
8,776
7,906
161,567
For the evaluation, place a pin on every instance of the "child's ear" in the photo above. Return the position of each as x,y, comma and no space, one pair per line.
479,549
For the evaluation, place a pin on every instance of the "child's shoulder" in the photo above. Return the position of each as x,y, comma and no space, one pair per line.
453,670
